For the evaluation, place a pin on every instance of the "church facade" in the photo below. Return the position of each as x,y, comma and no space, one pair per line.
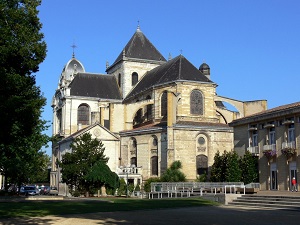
147,111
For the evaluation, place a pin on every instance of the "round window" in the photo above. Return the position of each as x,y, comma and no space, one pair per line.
201,140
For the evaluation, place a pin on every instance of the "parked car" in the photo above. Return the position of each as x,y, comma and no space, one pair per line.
45,190
53,191
29,190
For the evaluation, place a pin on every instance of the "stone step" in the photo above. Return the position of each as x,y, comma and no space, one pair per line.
283,202
272,196
273,199
265,205
274,202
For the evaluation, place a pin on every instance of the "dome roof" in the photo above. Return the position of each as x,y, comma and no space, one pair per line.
72,67
204,66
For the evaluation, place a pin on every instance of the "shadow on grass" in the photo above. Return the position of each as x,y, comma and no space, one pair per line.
91,205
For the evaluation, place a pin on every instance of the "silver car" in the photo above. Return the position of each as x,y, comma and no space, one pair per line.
29,190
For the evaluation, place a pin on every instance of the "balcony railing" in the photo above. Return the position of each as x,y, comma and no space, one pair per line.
129,170
271,147
253,150
290,144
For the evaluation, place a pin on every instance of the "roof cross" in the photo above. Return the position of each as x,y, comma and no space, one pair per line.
73,46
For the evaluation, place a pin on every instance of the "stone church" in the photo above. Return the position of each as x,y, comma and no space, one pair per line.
147,111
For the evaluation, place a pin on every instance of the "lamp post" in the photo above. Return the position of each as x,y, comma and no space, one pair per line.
127,182
129,169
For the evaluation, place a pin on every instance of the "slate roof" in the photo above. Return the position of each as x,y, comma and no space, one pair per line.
203,125
269,114
95,85
139,47
177,69
154,127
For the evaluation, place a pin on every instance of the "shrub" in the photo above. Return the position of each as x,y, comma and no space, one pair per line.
122,187
147,184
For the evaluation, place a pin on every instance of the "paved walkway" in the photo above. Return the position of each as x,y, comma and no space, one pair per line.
207,215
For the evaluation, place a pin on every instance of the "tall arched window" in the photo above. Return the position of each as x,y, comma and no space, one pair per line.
148,110
196,102
154,155
202,164
134,78
83,117
119,80
154,165
163,104
133,151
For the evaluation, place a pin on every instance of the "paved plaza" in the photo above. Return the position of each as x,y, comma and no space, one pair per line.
210,215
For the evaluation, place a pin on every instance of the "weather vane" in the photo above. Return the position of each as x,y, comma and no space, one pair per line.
138,25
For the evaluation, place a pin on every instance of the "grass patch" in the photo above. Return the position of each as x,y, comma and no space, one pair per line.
44,208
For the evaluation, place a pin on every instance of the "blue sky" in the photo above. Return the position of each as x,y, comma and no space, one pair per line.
251,46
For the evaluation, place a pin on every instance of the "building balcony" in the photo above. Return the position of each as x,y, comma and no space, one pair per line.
271,147
130,170
254,150
291,144
288,149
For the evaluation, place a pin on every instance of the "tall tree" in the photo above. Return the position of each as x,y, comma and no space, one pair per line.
248,165
85,167
22,49
233,170
216,169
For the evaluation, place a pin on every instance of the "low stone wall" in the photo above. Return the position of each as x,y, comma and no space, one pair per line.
221,198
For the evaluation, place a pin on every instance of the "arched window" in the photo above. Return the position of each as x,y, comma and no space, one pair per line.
119,80
133,151
133,161
134,78
202,164
154,155
163,104
148,114
154,165
138,117
83,117
196,102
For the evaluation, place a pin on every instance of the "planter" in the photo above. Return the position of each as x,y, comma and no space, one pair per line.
269,153
288,152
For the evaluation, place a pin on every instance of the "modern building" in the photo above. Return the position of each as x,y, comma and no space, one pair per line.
274,137
147,111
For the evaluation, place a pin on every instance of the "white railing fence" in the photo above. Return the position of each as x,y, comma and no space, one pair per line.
187,188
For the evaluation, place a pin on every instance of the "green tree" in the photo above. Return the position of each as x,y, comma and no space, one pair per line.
122,188
147,183
216,169
80,168
248,165
233,172
173,174
226,168
22,49
42,173
101,175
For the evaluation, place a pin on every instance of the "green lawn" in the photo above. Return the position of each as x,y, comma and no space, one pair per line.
43,208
